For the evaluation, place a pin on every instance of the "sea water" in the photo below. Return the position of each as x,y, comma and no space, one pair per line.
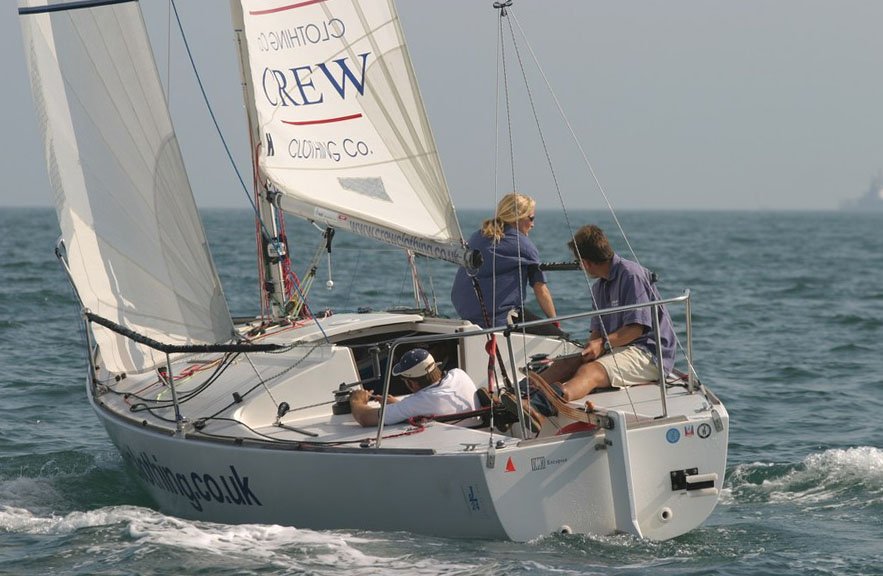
787,328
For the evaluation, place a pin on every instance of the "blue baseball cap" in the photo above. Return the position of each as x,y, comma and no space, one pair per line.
414,364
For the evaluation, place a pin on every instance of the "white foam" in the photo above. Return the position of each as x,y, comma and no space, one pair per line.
24,521
821,478
293,548
864,462
726,496
141,530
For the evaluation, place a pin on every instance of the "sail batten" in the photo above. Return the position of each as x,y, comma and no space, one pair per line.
136,250
343,131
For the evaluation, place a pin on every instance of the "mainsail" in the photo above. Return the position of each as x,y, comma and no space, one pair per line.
343,133
136,248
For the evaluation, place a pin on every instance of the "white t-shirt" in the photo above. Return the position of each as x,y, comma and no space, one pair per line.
454,393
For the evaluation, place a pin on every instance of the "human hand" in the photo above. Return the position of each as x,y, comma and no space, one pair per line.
360,397
594,349
364,396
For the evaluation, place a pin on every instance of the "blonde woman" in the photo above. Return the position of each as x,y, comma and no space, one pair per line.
510,261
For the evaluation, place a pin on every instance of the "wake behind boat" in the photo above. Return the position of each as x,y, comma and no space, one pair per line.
246,421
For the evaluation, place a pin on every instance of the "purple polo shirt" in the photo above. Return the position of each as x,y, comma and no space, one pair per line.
515,261
629,283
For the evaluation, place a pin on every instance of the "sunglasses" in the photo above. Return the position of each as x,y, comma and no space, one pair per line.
531,218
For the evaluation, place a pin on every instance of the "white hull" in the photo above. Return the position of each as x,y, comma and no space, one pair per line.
435,481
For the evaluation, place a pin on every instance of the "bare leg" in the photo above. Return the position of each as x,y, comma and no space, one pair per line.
587,377
561,370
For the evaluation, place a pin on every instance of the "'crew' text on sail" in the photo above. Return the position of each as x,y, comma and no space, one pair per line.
301,86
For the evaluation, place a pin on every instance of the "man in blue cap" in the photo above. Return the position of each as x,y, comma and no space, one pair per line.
432,393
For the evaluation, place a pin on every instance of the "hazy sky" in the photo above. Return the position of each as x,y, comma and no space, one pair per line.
699,104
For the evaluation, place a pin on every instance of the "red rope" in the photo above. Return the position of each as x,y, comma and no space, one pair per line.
491,348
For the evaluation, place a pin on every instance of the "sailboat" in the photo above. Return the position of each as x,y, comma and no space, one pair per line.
245,420
871,200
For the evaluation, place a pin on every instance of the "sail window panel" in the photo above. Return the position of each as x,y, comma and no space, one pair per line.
370,187
405,213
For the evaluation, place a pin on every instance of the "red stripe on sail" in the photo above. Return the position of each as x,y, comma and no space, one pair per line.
323,120
283,8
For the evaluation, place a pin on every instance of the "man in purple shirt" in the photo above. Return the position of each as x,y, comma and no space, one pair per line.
621,350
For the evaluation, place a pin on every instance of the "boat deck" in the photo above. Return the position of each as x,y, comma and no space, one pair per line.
244,404
641,404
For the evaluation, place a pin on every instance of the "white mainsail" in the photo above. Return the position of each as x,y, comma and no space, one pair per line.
343,132
136,248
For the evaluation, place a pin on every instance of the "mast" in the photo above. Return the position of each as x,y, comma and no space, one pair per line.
339,125
272,249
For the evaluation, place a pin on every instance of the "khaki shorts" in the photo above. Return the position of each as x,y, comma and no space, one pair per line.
629,365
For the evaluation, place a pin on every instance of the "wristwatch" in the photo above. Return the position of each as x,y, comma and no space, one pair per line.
607,346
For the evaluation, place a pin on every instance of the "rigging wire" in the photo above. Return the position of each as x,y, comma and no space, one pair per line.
505,73
211,110
579,145
419,291
227,150
491,346
225,362
262,381
553,172
220,133
353,277
504,13
228,362
654,291
652,287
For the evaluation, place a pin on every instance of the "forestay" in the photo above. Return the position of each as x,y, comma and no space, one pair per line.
136,248
343,133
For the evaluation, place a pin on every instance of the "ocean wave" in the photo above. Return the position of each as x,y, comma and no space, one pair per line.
851,477
140,538
69,463
63,482
846,349
39,494
138,533
855,321
806,287
7,324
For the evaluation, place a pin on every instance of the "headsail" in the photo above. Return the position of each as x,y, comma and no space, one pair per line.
344,135
136,248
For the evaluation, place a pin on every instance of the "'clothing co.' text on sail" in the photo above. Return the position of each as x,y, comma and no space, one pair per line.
298,36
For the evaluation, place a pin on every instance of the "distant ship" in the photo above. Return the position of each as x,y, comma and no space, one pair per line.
872,199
